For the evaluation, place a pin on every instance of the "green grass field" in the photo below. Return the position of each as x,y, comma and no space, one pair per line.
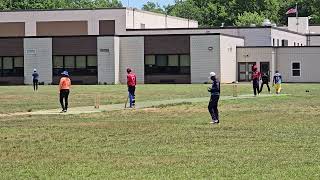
274,137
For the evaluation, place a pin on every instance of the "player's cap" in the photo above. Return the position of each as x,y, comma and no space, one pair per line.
65,73
212,74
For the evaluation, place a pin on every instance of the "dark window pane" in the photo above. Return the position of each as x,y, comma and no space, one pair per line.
173,60
295,72
92,61
7,63
185,60
57,61
81,62
150,60
161,60
295,65
69,61
18,62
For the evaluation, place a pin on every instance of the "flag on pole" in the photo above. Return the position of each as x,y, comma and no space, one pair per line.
292,11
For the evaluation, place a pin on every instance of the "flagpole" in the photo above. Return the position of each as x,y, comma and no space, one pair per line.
297,16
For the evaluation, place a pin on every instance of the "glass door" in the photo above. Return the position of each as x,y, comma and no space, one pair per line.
242,72
245,71
265,68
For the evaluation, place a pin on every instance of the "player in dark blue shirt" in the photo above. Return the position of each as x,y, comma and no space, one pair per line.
214,99
35,80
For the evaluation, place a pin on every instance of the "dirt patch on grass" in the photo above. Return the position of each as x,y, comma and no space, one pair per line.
151,110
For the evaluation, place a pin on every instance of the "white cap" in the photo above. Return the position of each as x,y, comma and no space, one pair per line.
34,70
212,74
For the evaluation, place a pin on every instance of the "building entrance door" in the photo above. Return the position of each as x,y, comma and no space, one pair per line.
265,68
245,71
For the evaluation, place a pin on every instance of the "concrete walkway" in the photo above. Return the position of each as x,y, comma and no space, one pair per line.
141,105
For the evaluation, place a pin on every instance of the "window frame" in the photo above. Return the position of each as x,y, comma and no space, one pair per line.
292,69
167,70
14,71
76,71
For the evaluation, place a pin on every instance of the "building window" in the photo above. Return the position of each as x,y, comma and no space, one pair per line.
284,42
278,43
167,64
273,42
142,26
75,65
294,43
11,66
296,69
298,44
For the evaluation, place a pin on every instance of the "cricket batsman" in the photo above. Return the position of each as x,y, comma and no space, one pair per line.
131,82
214,99
277,80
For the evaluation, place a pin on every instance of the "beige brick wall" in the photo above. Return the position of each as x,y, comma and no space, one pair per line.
132,55
228,58
203,60
38,55
108,61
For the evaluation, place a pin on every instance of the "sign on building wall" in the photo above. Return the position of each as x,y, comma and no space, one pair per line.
31,52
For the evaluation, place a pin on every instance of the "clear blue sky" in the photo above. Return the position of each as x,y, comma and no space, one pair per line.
139,3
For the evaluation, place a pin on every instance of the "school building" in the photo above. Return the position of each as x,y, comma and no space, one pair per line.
97,45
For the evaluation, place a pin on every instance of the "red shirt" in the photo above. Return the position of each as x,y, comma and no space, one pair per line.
256,75
131,79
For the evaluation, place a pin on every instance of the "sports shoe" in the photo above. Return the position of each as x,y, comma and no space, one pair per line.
214,122
62,111
65,111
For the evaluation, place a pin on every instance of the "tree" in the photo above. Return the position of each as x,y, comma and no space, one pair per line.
153,7
248,18
55,4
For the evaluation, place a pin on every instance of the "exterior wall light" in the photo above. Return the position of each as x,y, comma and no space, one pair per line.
210,48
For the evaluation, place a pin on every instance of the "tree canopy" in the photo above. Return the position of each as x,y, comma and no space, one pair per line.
56,4
240,12
206,12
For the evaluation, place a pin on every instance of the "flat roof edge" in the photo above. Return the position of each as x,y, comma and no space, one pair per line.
208,28
67,9
129,35
277,47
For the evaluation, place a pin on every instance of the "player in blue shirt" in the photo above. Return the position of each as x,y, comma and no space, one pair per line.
214,99
35,80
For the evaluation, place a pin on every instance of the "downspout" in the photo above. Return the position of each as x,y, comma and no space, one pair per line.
133,18
166,21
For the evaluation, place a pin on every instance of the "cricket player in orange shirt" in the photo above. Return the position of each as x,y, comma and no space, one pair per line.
64,88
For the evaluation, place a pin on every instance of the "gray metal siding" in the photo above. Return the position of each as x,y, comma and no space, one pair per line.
309,58
203,60
132,55
41,59
106,60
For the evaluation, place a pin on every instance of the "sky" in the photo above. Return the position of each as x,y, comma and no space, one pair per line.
139,3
